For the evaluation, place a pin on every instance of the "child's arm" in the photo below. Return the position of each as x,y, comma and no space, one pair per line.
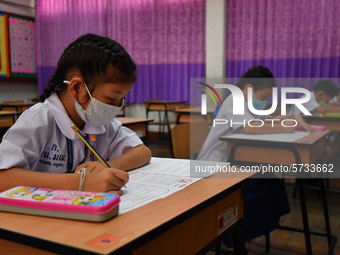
268,128
300,121
271,127
131,159
323,110
103,180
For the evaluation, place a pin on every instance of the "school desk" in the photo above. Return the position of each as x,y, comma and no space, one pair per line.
331,123
186,222
18,106
162,106
136,124
7,118
192,113
306,150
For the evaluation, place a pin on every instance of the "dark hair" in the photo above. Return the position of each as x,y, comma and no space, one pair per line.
327,86
91,55
259,76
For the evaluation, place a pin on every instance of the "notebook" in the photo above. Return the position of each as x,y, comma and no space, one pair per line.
69,204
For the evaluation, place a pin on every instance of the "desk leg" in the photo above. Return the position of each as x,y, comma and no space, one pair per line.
304,215
325,211
237,243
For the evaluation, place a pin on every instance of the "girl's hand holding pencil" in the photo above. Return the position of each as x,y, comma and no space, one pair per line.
113,178
103,179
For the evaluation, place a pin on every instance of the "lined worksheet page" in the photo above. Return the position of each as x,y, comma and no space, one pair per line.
160,178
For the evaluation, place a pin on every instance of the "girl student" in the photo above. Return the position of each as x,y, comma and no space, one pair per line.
92,77
266,199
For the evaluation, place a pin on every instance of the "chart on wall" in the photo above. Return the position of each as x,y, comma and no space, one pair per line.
4,63
22,47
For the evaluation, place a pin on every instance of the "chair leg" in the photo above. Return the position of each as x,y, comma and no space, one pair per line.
267,242
218,249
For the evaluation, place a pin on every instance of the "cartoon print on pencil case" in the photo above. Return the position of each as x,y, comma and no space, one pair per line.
87,199
43,195
21,192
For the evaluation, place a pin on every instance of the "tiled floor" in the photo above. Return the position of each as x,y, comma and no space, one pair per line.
285,242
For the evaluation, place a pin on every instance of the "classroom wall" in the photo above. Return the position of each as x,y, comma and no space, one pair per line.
18,90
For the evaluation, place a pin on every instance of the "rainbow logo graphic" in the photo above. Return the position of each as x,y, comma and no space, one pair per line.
204,97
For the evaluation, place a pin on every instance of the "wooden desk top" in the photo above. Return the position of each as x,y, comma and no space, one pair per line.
306,150
165,101
321,118
6,113
312,138
136,227
17,103
193,110
130,121
331,123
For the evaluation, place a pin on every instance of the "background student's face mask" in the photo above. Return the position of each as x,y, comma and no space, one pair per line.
259,104
97,113
322,102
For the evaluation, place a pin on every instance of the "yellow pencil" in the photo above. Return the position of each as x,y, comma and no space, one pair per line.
90,146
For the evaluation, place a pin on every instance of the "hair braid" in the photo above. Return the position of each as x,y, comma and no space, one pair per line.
91,54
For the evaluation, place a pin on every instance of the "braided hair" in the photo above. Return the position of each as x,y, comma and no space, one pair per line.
91,55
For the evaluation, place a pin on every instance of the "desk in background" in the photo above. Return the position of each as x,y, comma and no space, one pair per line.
186,222
331,123
306,150
192,113
136,124
7,118
17,106
162,106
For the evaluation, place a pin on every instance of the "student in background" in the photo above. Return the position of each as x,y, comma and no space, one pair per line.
92,77
266,199
262,81
324,91
335,101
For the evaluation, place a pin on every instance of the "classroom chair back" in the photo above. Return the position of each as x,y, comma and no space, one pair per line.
187,139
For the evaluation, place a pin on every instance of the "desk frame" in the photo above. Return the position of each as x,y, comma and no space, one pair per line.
237,143
137,244
162,105
136,124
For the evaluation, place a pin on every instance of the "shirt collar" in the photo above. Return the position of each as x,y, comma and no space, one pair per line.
55,106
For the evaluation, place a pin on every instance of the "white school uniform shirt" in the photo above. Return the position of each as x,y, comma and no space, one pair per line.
334,100
37,141
215,150
310,105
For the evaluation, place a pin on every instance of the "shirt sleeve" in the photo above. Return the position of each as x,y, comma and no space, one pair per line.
311,105
124,139
20,146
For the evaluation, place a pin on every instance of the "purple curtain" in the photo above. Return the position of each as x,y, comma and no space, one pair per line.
292,38
166,38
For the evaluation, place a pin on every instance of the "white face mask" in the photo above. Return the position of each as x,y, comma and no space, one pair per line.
97,113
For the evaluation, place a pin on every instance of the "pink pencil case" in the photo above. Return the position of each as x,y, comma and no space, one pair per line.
70,204
314,127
